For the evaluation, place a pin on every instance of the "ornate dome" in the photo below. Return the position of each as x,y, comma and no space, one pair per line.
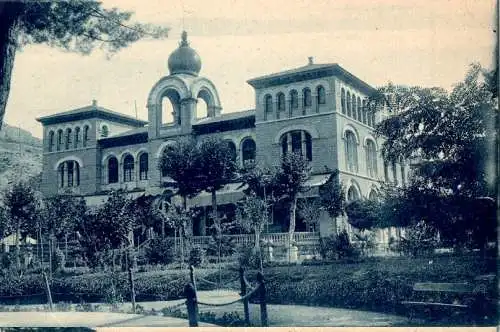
184,60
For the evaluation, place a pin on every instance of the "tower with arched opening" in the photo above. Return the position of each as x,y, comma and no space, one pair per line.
183,97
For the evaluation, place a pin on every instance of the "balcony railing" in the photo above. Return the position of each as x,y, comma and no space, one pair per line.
300,238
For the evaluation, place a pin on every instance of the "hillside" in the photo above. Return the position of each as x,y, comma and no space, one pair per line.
20,155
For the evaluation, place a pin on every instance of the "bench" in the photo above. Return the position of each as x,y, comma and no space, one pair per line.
442,300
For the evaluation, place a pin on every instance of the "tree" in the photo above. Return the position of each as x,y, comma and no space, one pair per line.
61,215
23,210
106,229
74,26
363,214
252,216
448,138
219,168
289,181
182,163
332,197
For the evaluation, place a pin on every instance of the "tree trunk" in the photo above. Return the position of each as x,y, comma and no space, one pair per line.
9,14
291,229
218,229
18,249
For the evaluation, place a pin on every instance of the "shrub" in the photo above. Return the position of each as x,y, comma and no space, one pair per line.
249,257
420,239
160,251
59,261
196,256
6,260
337,247
227,247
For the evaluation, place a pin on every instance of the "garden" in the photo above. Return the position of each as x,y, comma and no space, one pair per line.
141,249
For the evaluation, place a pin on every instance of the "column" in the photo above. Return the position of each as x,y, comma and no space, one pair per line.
289,141
303,145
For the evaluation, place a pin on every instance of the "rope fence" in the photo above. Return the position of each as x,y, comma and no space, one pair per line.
192,301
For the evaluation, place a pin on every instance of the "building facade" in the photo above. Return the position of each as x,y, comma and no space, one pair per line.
318,110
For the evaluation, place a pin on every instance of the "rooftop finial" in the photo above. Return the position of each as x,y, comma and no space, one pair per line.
94,102
184,38
311,60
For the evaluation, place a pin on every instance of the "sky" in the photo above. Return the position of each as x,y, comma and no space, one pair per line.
426,43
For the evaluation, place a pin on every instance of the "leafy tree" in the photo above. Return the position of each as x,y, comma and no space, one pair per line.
23,210
73,26
363,214
289,181
61,215
182,162
448,138
107,228
145,215
252,216
332,197
310,210
218,169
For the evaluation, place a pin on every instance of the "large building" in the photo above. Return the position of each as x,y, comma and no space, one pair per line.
317,110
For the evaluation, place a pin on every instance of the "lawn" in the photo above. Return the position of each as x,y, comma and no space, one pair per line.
375,284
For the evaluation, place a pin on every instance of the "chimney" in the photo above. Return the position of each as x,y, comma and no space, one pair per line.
94,102
310,60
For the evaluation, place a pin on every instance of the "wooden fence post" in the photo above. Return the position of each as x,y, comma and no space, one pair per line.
47,289
191,304
262,299
191,276
243,293
132,288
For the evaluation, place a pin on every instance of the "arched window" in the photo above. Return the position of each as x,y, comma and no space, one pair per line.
61,170
351,148
248,150
232,150
373,196
281,101
321,95
112,170
297,141
369,118
85,139
169,147
394,172
69,174
68,139
360,117
128,168
307,102
342,100
354,108
77,137
143,166
386,170
352,194
364,111
294,100
104,131
51,141
59,140
348,103
371,158
268,106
